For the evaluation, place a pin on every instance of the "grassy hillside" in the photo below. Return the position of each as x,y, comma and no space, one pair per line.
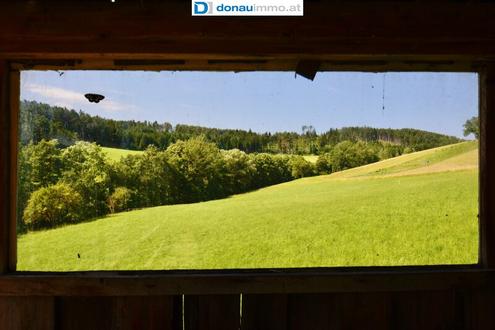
416,209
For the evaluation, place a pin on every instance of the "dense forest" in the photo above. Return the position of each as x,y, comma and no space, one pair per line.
41,121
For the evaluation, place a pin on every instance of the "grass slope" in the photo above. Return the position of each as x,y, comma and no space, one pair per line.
115,154
373,215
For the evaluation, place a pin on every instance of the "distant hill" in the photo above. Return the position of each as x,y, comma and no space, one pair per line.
43,121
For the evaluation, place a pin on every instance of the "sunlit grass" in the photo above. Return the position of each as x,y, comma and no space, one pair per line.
367,219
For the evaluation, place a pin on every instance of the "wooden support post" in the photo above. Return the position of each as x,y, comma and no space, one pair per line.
4,167
9,105
487,166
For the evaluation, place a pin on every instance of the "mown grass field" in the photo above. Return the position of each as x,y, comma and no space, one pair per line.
416,209
115,154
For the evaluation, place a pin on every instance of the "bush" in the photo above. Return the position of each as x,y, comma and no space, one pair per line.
121,200
53,205
86,170
300,167
199,167
347,155
324,164
390,151
239,171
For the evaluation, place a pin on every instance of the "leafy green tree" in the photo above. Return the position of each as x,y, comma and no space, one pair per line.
52,206
389,150
347,155
239,171
39,165
472,126
270,169
300,167
200,169
324,164
85,169
42,163
150,176
122,199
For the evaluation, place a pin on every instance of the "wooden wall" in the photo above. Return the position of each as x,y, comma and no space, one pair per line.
425,310
368,35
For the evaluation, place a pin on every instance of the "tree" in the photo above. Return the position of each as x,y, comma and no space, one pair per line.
85,169
42,163
200,168
39,166
52,206
239,171
347,155
324,164
150,176
472,126
121,200
300,167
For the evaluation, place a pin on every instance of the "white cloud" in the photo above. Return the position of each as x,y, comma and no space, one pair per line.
74,100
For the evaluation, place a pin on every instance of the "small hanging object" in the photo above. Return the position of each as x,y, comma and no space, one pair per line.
94,98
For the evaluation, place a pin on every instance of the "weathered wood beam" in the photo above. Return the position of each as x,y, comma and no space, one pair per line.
5,167
225,282
89,29
487,166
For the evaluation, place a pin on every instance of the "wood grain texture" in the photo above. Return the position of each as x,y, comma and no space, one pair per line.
212,312
5,167
26,313
14,107
480,310
487,166
153,313
339,311
81,313
264,311
423,310
101,29
232,281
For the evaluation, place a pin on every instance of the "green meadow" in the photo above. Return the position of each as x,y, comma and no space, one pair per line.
416,209
115,154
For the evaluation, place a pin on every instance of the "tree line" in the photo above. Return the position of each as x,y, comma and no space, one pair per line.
41,121
62,185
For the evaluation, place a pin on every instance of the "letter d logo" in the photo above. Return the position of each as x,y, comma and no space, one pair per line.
201,8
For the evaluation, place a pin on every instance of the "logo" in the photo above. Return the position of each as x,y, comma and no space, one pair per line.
248,7
202,8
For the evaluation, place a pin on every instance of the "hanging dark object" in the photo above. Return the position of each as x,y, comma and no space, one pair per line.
308,68
94,98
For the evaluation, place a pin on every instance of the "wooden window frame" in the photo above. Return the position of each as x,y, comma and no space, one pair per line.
334,279
362,36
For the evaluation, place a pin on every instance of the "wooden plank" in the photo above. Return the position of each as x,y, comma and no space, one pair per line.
257,63
26,313
14,107
487,166
424,310
81,313
212,312
5,165
264,312
155,312
104,29
230,282
480,310
339,311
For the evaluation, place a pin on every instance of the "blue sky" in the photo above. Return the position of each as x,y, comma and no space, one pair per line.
266,101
